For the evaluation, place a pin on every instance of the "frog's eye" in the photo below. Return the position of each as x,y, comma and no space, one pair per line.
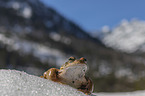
72,58
83,59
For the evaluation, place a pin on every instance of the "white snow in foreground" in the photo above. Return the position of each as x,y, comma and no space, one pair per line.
17,83
135,93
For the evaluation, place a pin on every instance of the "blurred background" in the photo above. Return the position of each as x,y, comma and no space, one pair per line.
36,35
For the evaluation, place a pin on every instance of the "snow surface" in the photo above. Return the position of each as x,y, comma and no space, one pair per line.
135,93
17,83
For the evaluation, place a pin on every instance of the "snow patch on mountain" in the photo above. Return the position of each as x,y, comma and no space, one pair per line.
23,9
57,37
40,51
128,36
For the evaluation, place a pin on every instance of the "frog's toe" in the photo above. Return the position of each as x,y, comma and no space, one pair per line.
41,76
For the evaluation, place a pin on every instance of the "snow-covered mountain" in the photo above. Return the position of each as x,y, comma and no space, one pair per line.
29,26
128,36
38,37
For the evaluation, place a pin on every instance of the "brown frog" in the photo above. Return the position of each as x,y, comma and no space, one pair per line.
71,73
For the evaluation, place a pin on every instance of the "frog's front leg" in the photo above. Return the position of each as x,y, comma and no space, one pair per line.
87,88
51,74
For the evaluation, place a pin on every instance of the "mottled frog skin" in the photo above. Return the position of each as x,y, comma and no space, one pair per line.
72,73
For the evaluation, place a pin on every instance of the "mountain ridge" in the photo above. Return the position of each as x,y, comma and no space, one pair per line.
127,37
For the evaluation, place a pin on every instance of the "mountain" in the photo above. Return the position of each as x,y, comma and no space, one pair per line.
41,15
34,38
127,37
32,20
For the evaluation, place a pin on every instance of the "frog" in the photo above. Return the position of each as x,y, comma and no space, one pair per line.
72,73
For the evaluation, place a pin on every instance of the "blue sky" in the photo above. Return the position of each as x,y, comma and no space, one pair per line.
92,15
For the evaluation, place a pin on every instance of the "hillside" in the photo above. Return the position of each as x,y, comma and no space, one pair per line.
43,34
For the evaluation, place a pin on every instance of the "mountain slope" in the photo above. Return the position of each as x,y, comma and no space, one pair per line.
28,27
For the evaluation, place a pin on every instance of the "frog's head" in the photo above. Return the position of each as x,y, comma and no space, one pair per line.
78,66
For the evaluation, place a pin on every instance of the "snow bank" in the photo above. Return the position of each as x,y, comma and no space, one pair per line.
16,83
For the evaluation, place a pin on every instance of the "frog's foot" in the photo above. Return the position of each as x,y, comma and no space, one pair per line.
87,88
51,74
41,76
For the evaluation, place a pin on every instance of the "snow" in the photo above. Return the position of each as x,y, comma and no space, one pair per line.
56,37
135,93
27,12
128,36
17,83
16,5
105,29
38,50
23,9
